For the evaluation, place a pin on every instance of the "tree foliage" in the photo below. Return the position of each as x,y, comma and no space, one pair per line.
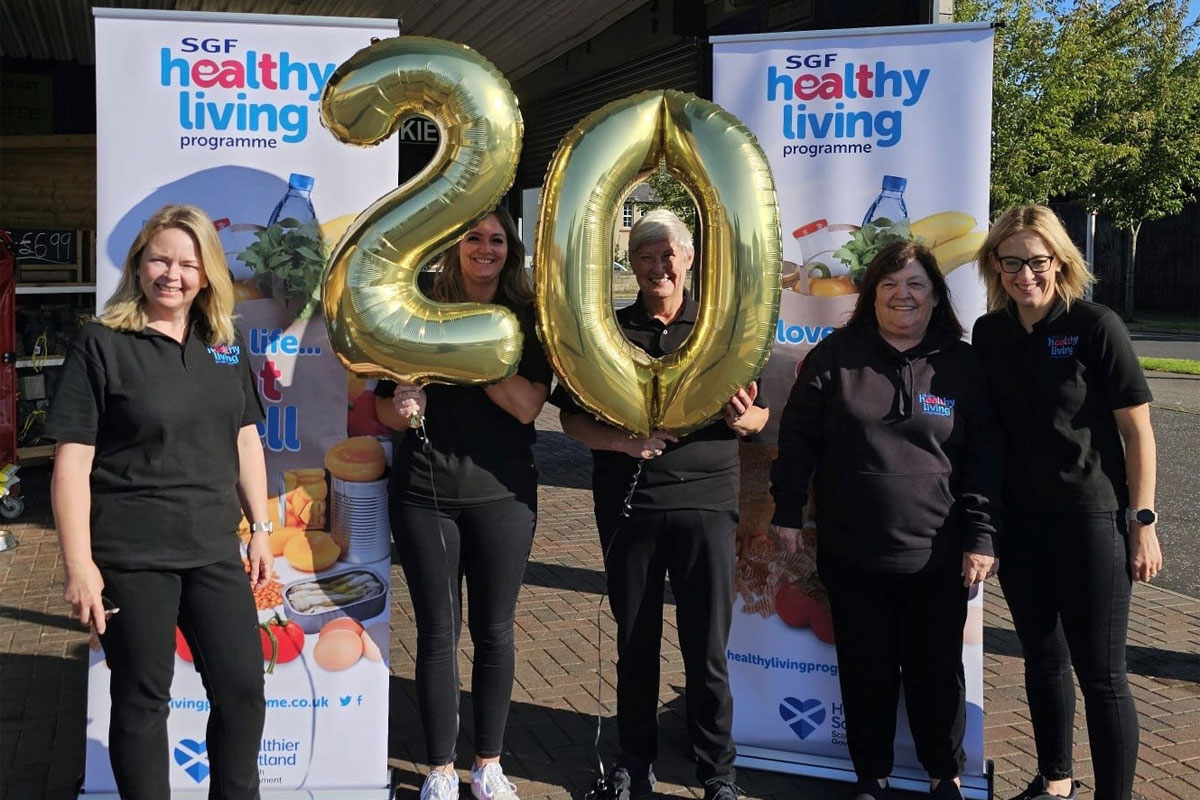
674,197
1097,101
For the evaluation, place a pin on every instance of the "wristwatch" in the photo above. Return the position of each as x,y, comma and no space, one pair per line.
269,526
1142,516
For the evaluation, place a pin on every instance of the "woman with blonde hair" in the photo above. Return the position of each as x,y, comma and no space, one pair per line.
157,458
1078,489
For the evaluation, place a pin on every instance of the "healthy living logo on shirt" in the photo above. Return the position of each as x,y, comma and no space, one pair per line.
225,353
1062,346
934,406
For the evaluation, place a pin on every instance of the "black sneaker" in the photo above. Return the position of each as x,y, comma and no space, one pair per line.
946,789
1037,790
721,789
632,784
869,789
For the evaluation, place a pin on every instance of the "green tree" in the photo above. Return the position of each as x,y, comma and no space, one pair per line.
674,197
1146,122
1097,100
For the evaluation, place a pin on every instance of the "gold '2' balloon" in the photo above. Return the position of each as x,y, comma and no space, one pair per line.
380,324
711,153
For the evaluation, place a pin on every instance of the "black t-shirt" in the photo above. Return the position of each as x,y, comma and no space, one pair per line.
479,453
699,471
1055,390
164,418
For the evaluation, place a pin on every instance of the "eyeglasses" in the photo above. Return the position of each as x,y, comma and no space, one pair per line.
1012,265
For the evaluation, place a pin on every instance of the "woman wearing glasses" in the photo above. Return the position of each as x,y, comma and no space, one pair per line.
1080,528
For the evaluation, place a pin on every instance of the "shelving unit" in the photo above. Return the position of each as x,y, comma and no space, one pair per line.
43,452
56,288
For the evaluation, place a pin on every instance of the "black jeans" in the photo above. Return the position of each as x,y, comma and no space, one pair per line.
886,624
696,549
489,546
214,608
1066,579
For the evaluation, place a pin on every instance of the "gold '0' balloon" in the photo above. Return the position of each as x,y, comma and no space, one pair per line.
711,153
380,324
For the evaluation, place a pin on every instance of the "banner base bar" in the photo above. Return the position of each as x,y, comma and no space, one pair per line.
974,787
371,793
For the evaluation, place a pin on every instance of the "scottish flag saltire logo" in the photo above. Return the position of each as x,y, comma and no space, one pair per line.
802,716
193,757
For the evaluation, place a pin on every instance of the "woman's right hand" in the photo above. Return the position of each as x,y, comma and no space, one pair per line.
409,400
650,447
789,539
83,590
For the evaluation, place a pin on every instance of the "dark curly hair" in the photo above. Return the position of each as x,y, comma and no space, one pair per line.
893,258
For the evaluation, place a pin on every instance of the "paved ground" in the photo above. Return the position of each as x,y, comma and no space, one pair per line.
549,742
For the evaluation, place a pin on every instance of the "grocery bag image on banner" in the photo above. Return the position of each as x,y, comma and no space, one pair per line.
874,136
221,111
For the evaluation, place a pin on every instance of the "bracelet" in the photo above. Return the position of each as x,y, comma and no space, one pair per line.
267,526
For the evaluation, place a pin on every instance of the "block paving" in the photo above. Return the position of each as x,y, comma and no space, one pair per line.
561,628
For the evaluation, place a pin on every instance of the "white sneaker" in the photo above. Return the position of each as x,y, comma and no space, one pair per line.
440,786
489,783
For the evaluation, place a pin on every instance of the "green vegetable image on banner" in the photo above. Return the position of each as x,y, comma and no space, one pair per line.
867,241
289,260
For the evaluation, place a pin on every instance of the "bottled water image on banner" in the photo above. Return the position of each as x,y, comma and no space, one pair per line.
889,205
296,203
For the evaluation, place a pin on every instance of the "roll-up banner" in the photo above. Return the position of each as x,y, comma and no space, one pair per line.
873,134
221,111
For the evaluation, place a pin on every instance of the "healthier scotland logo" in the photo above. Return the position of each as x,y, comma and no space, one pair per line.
193,757
804,717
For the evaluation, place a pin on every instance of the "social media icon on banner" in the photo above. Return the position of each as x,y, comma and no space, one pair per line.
193,757
802,716
345,701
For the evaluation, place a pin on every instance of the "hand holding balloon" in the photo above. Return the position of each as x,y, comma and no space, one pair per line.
409,402
651,446
741,415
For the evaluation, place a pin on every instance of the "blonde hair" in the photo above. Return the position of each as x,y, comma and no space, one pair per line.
515,286
126,309
1073,279
659,225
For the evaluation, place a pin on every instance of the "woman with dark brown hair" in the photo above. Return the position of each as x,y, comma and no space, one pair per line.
463,503
890,419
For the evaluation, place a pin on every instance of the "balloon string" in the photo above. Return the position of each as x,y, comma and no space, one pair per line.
626,509
451,569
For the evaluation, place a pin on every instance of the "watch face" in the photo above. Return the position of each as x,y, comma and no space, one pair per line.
1145,516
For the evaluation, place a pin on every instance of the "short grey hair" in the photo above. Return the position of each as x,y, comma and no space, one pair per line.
658,225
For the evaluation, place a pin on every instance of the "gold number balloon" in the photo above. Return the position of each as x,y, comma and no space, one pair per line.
720,162
380,324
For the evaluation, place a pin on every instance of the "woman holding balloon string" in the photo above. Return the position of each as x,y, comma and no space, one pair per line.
678,521
465,505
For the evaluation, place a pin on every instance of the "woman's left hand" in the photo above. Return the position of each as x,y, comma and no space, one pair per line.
262,561
1145,554
976,568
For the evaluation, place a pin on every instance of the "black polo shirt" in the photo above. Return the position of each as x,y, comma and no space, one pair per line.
164,419
1055,390
479,453
699,471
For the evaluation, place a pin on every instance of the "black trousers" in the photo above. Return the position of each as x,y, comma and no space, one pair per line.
1066,579
886,625
214,608
489,546
696,550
